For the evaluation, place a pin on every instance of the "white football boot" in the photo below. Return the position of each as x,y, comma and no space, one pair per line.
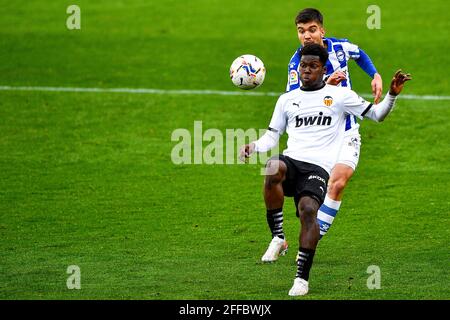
277,247
300,287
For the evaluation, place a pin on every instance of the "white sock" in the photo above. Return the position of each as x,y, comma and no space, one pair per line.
326,214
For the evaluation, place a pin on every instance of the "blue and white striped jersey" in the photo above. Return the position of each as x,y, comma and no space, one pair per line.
340,51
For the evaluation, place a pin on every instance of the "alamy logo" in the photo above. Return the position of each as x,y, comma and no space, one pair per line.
310,121
74,280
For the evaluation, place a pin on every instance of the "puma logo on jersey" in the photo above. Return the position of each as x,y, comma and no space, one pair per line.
310,121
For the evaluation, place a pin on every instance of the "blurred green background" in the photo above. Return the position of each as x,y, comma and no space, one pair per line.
86,178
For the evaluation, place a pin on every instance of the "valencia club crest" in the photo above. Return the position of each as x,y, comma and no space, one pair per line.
328,101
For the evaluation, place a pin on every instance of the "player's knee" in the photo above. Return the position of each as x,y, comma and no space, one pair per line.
307,211
337,186
275,172
340,176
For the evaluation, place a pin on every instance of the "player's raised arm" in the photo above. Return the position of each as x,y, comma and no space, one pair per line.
379,112
377,87
355,105
365,63
398,82
363,60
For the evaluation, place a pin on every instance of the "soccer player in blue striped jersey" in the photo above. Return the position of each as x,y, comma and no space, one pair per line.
310,30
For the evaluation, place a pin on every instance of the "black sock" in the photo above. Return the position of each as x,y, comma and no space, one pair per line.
275,221
304,263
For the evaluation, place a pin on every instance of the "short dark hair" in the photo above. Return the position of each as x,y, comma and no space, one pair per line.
309,15
315,49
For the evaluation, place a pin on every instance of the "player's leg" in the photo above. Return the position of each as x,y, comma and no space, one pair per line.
308,239
312,189
340,176
274,198
273,184
309,231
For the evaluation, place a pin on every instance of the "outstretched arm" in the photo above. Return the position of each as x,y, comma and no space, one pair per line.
269,140
365,63
379,112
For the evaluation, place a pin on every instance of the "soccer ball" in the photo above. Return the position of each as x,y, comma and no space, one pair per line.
247,72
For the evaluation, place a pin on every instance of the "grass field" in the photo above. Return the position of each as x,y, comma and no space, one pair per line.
87,179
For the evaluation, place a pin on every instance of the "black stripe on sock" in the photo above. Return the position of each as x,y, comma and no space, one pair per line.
304,266
275,227
273,211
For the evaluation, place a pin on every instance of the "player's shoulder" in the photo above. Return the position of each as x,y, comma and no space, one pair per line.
338,40
289,95
339,92
342,43
331,87
295,59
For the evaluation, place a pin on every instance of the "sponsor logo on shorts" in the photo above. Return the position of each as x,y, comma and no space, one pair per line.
316,177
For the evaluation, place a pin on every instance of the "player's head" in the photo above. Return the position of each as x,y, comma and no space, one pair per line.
313,65
309,24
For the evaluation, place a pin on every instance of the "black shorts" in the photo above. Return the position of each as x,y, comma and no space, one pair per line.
304,179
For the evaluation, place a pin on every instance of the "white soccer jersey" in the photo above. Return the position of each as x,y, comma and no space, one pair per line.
315,121
340,51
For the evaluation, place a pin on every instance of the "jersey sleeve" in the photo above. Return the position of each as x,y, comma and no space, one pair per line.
365,63
360,57
351,50
293,76
278,122
355,105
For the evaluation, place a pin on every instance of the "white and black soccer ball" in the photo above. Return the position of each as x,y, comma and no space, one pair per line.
247,72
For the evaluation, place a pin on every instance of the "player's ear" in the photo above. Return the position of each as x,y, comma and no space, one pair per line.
322,31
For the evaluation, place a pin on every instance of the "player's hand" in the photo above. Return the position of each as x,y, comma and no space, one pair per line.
377,87
246,151
336,77
398,81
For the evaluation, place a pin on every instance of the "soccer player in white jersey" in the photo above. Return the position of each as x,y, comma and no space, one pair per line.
310,29
313,116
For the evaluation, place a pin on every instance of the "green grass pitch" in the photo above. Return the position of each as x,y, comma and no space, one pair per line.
87,179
